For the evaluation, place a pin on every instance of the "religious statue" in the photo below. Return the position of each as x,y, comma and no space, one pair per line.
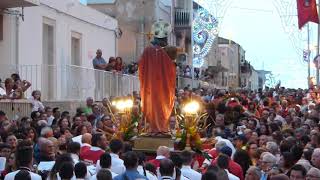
157,74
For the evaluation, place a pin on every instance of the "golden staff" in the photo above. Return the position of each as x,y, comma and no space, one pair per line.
110,110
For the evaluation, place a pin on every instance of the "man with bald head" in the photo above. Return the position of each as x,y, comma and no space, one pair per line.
163,152
98,62
86,143
100,65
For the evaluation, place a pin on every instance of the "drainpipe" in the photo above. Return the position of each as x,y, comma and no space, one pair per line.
17,41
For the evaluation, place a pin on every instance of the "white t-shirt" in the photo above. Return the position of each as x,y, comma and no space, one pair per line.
11,176
189,173
2,92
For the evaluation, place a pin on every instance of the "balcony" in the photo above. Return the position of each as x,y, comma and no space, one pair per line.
182,18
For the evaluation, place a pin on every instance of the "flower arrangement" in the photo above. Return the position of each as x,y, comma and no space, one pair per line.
128,118
188,130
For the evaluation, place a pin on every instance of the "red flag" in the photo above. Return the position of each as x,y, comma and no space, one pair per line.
307,11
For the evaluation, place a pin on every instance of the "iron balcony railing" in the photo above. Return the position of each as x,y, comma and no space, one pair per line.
182,18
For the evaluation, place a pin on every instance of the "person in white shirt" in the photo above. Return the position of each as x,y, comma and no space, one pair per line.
80,171
2,91
74,149
48,111
223,163
166,170
141,168
117,164
104,163
24,157
186,169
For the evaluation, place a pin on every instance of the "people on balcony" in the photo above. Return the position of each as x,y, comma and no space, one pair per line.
19,83
12,91
99,62
111,65
2,90
14,87
119,67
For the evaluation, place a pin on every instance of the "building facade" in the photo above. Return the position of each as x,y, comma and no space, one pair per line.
52,44
135,19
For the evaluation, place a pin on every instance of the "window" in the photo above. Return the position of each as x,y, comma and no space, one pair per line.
75,48
48,58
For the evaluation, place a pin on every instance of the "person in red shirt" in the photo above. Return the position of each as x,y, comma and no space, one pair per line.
163,152
92,154
234,168
85,143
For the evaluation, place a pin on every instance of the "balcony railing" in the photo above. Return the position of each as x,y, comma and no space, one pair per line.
70,82
182,18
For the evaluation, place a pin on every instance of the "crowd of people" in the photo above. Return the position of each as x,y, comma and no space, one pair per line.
14,87
114,64
266,134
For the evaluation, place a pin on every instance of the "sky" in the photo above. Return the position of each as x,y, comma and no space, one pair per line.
257,27
83,1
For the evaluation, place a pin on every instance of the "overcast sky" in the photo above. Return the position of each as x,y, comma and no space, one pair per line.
257,27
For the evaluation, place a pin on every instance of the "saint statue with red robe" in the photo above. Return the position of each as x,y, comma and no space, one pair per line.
157,74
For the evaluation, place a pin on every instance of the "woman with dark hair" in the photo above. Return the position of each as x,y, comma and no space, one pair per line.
82,129
31,134
119,64
286,162
76,122
243,159
66,132
64,123
111,64
264,129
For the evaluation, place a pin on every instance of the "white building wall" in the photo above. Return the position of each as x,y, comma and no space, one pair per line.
254,79
96,30
67,16
8,44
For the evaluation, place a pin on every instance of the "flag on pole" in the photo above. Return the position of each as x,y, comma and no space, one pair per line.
307,11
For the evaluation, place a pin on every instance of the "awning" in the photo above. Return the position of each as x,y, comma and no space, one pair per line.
18,3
